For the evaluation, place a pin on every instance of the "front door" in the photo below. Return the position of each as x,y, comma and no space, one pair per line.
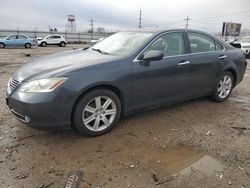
164,80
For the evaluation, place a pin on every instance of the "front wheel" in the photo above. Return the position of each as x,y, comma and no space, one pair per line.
43,44
224,87
62,44
97,112
2,45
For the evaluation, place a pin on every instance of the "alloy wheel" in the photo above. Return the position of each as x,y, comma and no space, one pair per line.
99,113
225,86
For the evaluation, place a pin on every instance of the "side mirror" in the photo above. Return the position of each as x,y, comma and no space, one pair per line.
153,55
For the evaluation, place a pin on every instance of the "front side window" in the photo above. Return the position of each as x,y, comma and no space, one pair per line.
13,37
170,44
201,43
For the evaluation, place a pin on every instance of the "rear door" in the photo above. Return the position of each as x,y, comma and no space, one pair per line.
21,40
206,59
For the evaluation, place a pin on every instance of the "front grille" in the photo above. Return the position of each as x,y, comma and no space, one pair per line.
13,84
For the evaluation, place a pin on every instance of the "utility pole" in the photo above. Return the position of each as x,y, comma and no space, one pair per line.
140,19
187,20
92,27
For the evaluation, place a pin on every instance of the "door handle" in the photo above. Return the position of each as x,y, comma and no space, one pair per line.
222,56
184,63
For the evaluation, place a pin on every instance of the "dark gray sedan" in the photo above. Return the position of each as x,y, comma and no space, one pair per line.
89,89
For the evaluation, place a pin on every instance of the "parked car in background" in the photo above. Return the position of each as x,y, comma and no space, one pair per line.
17,40
52,40
89,89
245,46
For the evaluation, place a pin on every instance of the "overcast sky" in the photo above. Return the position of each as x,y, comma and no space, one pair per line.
206,15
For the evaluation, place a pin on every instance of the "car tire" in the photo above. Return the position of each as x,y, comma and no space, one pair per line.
62,44
224,87
2,45
97,112
43,44
27,45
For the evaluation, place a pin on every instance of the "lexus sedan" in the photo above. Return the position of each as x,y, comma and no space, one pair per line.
90,89
17,40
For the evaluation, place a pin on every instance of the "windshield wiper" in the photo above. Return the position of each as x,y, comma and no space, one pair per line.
85,48
100,51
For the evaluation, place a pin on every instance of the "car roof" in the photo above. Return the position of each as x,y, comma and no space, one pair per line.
154,32
54,35
18,35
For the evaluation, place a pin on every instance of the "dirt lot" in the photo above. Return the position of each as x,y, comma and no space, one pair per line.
191,144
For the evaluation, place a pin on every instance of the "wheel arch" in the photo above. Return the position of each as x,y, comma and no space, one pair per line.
110,87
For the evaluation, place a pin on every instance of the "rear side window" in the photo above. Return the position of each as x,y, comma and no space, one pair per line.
56,37
170,44
201,43
21,37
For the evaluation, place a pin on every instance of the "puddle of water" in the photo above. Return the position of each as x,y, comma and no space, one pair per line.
171,161
207,164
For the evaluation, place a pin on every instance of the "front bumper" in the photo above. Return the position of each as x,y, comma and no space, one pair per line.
46,111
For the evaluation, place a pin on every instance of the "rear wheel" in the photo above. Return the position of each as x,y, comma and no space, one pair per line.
62,44
97,112
27,45
2,45
43,44
224,87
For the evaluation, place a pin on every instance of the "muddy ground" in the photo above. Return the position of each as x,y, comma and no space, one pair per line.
192,144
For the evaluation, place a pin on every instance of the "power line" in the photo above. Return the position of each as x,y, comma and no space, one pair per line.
187,20
223,15
140,19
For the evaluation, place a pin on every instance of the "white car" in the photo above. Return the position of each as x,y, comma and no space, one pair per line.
245,46
52,40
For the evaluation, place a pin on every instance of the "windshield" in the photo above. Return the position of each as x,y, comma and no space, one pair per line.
122,43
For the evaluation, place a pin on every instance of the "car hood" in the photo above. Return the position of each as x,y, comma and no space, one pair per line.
61,62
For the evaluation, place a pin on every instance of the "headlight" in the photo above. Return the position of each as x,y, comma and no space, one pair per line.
42,85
